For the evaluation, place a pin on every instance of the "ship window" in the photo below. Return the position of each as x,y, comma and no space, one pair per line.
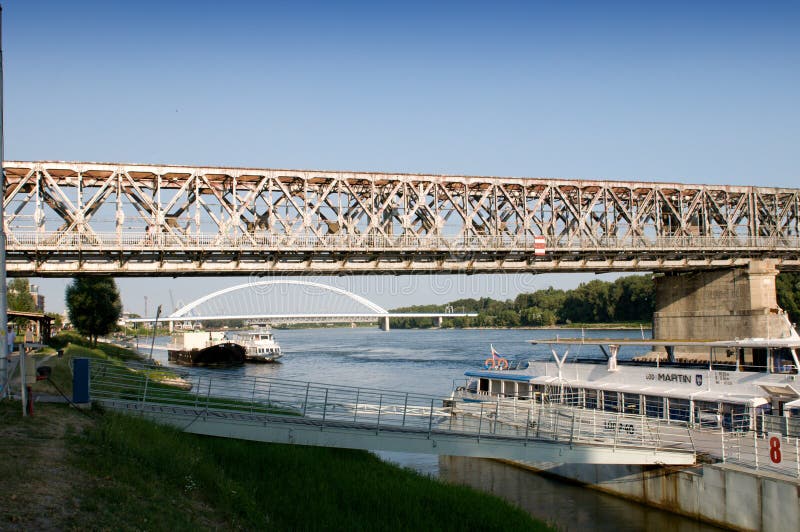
678,409
496,387
525,390
735,417
572,396
707,414
631,403
753,359
782,361
553,393
591,398
484,385
610,402
654,406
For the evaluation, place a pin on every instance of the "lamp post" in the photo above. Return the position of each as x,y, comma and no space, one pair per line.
4,351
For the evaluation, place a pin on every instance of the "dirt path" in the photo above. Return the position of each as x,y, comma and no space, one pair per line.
38,484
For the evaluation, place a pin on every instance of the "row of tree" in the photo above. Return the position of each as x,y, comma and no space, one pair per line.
624,300
628,299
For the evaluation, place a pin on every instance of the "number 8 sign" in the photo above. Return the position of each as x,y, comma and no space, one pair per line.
775,449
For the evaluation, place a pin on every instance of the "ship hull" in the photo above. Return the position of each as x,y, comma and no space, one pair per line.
220,355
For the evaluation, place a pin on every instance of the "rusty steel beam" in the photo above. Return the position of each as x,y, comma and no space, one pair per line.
64,218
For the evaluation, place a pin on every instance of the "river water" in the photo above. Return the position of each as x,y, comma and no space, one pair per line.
430,362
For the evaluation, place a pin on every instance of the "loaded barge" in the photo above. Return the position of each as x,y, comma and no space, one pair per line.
210,349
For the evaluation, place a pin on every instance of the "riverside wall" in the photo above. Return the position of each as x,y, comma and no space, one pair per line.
721,494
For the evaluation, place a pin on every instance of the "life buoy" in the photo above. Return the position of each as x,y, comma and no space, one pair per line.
495,363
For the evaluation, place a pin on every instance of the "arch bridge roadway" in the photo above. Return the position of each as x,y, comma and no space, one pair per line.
286,301
64,218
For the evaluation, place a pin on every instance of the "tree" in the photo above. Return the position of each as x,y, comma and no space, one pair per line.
787,287
93,305
19,298
58,321
635,297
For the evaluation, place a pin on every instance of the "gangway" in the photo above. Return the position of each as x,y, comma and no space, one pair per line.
304,413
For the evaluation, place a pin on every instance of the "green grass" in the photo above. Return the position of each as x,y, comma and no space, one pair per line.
146,476
157,477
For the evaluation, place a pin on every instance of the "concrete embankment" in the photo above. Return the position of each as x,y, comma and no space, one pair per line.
720,494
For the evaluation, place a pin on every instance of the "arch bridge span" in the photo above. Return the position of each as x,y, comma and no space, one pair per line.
64,218
287,301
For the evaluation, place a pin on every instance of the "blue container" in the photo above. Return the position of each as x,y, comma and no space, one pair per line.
80,380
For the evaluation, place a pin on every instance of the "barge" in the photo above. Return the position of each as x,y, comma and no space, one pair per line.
209,349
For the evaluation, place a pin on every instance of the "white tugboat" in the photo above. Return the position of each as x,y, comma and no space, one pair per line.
259,344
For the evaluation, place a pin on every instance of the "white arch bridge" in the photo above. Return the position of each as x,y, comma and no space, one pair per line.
288,301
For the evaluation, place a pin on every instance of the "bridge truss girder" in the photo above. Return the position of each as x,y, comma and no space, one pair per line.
66,218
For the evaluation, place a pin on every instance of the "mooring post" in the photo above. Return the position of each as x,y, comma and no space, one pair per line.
480,423
355,413
797,455
324,409
527,426
253,396
305,401
146,381
539,421
208,395
755,447
572,428
380,407
405,408
430,421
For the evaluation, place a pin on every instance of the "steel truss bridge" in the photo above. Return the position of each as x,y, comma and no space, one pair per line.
64,218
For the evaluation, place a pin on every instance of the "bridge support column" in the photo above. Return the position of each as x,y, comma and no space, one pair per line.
383,323
437,321
171,326
719,304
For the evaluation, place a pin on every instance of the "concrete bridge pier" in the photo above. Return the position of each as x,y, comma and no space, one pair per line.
719,304
383,323
437,322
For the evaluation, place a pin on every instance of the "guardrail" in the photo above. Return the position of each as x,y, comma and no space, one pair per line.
773,446
141,240
210,394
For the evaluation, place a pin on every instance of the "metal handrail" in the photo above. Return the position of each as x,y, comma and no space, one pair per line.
114,384
131,240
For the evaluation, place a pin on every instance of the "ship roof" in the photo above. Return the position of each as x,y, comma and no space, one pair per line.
790,342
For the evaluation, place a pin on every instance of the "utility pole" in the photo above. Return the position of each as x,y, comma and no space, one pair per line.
4,351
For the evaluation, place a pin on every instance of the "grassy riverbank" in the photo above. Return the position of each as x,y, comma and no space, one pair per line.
65,469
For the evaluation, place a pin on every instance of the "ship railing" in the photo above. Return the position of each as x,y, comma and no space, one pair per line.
771,446
260,398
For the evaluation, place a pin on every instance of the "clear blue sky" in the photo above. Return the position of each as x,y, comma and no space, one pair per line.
680,91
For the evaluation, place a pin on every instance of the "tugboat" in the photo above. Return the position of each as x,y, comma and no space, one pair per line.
210,349
259,344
